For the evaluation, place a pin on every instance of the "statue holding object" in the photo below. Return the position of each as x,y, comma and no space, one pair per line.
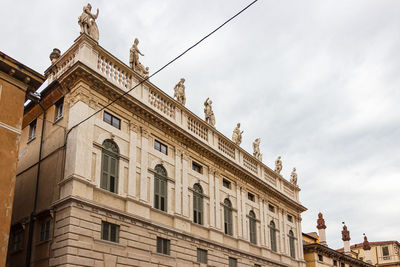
278,165
208,112
87,21
256,149
134,62
237,135
179,93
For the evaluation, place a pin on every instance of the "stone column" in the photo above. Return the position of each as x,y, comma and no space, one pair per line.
144,165
240,217
321,229
211,189
185,200
133,135
217,202
178,186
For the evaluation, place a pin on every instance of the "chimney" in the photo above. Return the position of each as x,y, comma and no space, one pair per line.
321,229
367,250
346,240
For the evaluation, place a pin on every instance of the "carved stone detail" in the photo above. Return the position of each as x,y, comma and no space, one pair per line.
293,177
366,245
278,165
345,234
134,62
256,149
87,21
179,92
208,112
321,222
237,135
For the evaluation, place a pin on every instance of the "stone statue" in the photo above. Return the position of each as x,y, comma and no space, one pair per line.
134,62
321,222
278,165
256,149
366,245
180,92
237,135
208,112
87,22
345,234
293,177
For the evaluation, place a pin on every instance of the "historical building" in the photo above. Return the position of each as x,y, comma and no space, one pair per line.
318,254
141,181
383,253
16,80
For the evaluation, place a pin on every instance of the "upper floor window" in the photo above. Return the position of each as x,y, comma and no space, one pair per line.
160,188
321,258
112,120
271,208
32,130
197,204
272,230
250,196
252,227
291,244
385,251
226,183
197,167
45,230
334,262
109,232
59,108
16,242
342,264
290,218
163,245
160,147
109,166
228,217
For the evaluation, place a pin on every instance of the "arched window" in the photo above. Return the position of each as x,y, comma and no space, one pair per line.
160,188
291,244
228,216
252,227
272,230
109,166
197,204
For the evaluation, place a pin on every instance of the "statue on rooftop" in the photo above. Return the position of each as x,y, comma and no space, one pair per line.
256,149
237,135
345,233
134,62
278,165
293,177
321,221
180,92
87,21
208,112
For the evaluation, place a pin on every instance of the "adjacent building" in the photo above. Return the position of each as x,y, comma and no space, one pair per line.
317,253
140,182
16,81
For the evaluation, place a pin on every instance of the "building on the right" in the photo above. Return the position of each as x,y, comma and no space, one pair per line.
382,253
317,253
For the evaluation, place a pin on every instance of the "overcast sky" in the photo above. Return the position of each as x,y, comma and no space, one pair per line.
318,81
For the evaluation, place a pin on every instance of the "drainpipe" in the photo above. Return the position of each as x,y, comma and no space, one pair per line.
36,98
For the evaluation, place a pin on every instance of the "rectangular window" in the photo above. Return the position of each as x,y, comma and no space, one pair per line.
271,208
109,180
32,130
226,183
59,108
110,232
112,120
385,251
290,218
17,238
163,245
342,264
320,257
250,196
232,262
197,167
160,147
45,230
334,262
202,255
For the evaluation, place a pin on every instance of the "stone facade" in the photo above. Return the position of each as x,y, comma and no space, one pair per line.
148,131
16,80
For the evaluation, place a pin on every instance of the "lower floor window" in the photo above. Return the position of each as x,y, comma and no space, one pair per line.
201,255
17,238
45,231
163,245
110,232
232,262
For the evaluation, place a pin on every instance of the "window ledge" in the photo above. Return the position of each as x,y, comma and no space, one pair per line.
31,139
162,254
109,242
57,119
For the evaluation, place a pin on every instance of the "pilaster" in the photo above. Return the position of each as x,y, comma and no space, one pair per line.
239,211
144,164
185,200
178,179
133,137
211,189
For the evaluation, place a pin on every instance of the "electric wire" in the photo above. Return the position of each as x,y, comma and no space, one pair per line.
166,65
